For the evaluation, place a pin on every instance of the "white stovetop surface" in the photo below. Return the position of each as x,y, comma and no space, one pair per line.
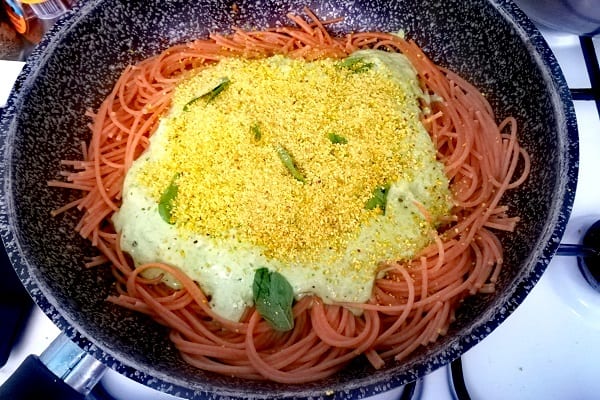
547,349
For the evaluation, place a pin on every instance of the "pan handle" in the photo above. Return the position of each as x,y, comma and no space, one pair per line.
62,372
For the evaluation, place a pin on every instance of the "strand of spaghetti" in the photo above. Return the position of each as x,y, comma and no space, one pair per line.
493,135
197,294
515,151
248,40
482,267
468,87
131,303
117,253
88,175
319,352
134,139
502,223
334,360
122,105
75,164
490,143
375,359
501,189
96,261
360,342
132,85
526,170
170,317
114,144
199,347
438,326
423,283
158,70
509,142
495,247
106,159
276,375
67,185
95,148
465,186
117,94
269,39
448,291
90,219
291,354
408,339
110,253
305,38
176,300
408,307
241,371
440,253
453,269
295,353
319,26
433,249
112,178
227,43
301,22
462,144
95,237
93,221
478,141
211,336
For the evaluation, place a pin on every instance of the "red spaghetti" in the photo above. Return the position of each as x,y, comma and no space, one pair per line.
412,305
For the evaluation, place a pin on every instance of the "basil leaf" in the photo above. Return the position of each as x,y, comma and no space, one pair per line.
255,129
288,162
210,95
273,298
167,200
355,64
379,198
336,139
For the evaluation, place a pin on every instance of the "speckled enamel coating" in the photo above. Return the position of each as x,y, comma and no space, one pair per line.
491,43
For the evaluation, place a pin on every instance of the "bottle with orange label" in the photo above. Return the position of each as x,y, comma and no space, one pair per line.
33,18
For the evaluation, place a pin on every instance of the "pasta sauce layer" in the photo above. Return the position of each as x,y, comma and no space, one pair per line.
286,201
238,206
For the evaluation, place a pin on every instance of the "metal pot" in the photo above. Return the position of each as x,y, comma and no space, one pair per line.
581,17
491,43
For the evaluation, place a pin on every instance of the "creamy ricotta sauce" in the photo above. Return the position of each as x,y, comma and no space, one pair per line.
224,266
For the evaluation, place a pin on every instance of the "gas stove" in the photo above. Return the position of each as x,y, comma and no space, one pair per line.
546,349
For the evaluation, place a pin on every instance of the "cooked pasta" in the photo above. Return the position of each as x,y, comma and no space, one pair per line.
412,302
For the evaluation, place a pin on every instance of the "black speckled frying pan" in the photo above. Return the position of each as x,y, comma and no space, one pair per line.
490,43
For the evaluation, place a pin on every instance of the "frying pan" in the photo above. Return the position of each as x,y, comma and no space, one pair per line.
491,43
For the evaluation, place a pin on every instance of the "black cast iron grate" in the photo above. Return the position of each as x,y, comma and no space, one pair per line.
591,61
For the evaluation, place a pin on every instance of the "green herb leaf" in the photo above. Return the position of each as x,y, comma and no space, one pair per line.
167,200
255,129
355,64
379,198
336,139
210,95
288,162
273,298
